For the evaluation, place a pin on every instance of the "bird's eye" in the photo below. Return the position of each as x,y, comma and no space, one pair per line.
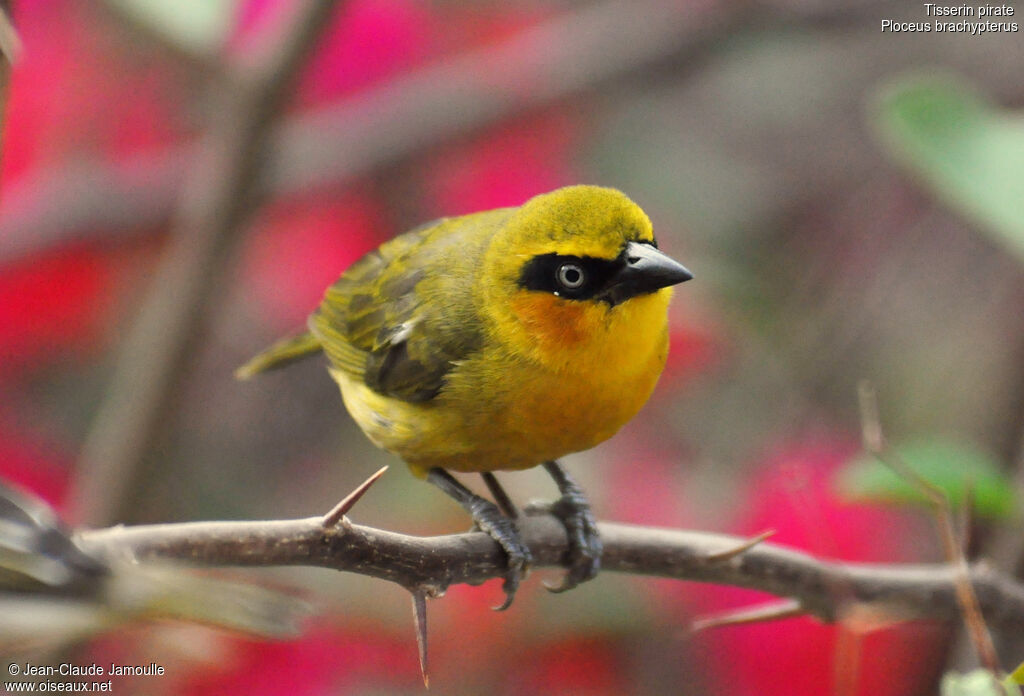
570,276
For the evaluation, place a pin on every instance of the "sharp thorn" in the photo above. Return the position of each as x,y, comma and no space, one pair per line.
749,615
419,613
333,517
741,549
870,423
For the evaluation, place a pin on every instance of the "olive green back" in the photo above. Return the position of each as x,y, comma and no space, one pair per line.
401,316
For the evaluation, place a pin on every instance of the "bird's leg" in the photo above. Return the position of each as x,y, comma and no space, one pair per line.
489,519
500,496
573,510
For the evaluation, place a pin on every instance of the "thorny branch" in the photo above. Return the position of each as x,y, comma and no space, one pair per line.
430,564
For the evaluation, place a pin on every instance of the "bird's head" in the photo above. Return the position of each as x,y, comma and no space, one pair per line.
573,266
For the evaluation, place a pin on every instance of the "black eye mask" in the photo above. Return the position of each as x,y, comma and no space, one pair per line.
639,270
571,277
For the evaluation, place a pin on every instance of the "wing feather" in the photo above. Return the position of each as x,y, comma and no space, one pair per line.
377,324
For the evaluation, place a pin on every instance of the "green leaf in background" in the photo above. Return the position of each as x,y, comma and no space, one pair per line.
197,26
955,467
977,683
1017,676
966,149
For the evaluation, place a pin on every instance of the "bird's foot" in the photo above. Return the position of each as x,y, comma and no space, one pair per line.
585,547
489,519
492,522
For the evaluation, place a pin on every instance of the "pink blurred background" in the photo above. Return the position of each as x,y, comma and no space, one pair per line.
739,128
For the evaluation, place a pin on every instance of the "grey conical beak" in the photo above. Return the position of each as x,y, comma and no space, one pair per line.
646,270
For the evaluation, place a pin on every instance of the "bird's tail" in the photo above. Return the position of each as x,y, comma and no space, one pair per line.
285,351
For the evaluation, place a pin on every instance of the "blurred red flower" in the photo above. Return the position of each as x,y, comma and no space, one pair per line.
792,494
52,306
301,247
328,659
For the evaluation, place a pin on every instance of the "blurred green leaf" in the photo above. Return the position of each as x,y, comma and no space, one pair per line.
955,467
977,683
965,148
1017,676
197,26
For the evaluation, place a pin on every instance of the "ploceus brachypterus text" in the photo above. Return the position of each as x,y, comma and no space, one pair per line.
501,340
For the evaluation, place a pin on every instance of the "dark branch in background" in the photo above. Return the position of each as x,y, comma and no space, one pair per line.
876,444
1004,545
580,50
572,53
221,191
10,49
428,565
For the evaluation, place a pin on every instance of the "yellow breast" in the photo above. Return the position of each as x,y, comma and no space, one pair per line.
555,376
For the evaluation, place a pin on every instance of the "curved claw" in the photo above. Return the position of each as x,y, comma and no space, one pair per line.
518,564
509,587
509,596
503,531
585,547
566,584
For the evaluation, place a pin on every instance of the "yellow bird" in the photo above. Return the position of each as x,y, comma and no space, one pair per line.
501,340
